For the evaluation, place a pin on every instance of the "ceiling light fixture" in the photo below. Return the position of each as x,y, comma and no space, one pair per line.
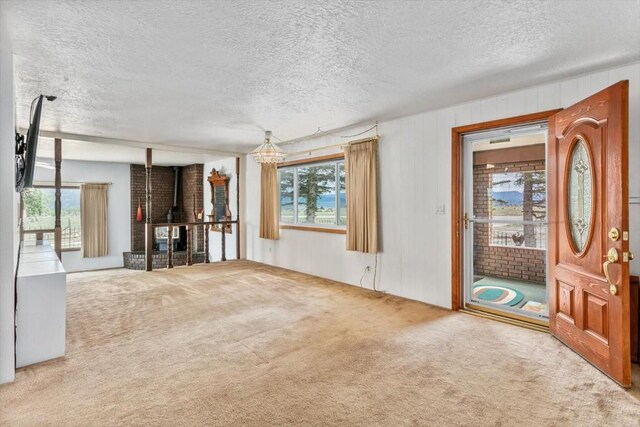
268,152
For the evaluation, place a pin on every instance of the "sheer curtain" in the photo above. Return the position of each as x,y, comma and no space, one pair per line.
360,161
269,215
93,219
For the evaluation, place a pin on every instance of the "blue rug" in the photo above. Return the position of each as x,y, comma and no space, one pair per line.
497,295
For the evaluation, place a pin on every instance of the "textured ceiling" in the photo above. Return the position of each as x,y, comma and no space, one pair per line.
212,74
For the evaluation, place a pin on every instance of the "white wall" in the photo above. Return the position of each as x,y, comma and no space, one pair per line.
119,214
225,167
415,177
8,208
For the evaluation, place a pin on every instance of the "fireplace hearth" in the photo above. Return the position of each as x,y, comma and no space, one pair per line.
136,261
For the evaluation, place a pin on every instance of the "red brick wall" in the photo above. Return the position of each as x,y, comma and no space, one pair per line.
499,261
192,188
162,181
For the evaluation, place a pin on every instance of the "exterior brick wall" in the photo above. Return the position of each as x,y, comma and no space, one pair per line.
499,261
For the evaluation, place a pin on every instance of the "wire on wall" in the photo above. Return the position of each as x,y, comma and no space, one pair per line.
361,133
320,132
311,150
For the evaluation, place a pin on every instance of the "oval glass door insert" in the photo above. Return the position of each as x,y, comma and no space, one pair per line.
580,197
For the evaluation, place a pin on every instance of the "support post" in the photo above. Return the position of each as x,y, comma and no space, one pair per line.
148,230
57,235
237,208
170,247
206,243
223,239
189,244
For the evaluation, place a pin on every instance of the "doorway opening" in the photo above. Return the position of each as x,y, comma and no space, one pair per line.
499,218
505,222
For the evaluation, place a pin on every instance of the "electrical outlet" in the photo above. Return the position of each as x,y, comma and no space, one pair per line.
440,209
367,269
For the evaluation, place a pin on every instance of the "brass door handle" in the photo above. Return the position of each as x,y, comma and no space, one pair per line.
612,258
466,221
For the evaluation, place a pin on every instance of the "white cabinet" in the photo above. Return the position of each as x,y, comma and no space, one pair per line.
41,306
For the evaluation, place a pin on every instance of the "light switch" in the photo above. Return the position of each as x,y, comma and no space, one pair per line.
440,210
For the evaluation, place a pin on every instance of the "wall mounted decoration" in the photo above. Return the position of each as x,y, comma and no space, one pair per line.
220,200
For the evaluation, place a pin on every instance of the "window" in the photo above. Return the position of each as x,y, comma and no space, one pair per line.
518,209
39,214
313,194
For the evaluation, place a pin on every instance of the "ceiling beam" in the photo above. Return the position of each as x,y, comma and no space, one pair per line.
131,143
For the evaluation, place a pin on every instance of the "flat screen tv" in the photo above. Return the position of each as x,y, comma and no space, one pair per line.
26,151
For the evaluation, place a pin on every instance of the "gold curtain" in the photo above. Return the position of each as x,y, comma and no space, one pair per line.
269,214
93,219
360,161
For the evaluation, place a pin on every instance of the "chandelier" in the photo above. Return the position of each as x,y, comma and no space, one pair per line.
268,152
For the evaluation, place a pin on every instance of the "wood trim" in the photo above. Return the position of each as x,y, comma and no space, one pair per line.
317,159
148,227
509,121
529,323
457,243
311,228
237,208
634,283
456,218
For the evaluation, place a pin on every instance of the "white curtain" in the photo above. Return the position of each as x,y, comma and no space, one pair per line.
93,219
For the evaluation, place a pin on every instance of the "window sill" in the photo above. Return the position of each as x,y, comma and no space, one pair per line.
70,250
312,228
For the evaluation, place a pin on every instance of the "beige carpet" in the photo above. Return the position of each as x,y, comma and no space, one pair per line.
245,344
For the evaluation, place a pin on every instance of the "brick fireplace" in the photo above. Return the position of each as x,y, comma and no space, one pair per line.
189,202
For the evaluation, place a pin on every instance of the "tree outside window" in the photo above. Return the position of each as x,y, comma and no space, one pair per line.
313,194
39,214
519,197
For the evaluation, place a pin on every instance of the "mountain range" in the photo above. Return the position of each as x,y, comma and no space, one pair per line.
324,200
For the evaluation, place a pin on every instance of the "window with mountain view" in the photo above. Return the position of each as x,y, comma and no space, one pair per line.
313,194
518,209
39,214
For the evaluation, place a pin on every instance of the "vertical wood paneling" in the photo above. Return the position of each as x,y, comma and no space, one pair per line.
502,106
599,81
632,73
517,104
584,87
549,97
531,101
463,114
414,179
477,113
489,109
569,93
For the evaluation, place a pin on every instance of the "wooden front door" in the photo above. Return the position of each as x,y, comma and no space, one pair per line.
588,250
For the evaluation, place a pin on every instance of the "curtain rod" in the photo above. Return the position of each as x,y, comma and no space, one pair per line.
67,183
358,141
